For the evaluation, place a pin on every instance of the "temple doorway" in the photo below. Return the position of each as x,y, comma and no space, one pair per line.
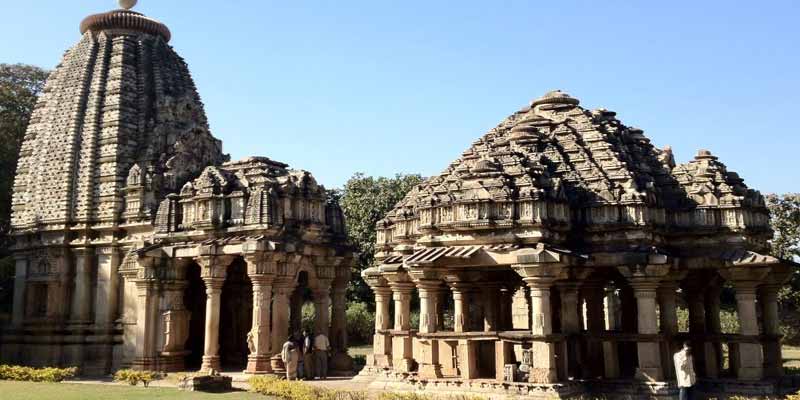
195,301
236,317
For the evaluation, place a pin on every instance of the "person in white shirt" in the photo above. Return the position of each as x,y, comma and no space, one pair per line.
684,371
321,346
290,357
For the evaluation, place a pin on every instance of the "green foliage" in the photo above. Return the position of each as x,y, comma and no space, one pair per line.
294,390
792,371
133,377
20,86
18,373
360,323
785,221
308,317
359,361
729,320
365,200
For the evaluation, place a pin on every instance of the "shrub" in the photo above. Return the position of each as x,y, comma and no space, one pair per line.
133,377
360,323
308,314
17,373
729,321
294,390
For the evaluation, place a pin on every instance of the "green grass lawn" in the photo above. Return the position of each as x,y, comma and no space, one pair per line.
66,391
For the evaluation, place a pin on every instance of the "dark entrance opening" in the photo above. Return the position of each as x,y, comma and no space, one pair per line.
236,317
195,301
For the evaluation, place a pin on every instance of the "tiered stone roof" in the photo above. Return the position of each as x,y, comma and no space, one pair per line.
121,98
560,167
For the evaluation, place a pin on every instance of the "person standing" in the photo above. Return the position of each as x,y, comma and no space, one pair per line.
684,371
308,354
290,357
321,346
302,369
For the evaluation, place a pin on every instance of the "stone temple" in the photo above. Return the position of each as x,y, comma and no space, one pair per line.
138,244
550,260
551,257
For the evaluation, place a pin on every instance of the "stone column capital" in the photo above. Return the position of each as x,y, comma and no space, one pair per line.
261,279
381,291
401,287
546,273
429,285
260,265
769,292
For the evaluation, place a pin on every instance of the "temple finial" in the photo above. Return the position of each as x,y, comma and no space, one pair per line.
127,4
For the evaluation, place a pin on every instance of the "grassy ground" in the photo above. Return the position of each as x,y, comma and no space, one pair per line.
66,391
360,350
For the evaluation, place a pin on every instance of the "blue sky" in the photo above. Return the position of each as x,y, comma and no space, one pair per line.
405,86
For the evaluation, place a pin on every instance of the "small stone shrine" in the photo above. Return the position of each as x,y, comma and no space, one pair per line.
551,258
139,245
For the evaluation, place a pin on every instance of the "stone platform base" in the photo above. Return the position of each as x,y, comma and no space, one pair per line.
623,389
207,383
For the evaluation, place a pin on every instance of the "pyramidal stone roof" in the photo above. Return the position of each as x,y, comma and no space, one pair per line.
545,163
120,98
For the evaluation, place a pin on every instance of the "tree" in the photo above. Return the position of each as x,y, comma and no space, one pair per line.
785,221
365,200
20,86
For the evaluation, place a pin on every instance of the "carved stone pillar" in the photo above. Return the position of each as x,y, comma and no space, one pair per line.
146,322
645,280
429,290
540,277
668,316
460,306
108,281
341,362
570,326
544,363
594,293
262,273
713,348
402,341
175,323
20,285
648,351
282,290
611,367
750,358
773,359
214,277
382,342
491,297
505,321
695,298
322,303
82,295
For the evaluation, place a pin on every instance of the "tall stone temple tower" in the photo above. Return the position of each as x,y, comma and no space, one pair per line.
135,234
